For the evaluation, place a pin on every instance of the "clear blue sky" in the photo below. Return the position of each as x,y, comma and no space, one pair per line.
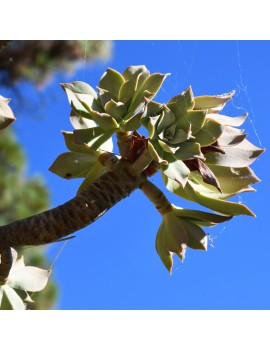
112,264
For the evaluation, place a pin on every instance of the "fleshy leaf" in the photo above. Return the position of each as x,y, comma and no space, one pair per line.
200,215
189,150
72,145
71,165
29,279
196,120
197,239
106,121
116,109
134,71
112,82
182,103
231,136
228,121
212,103
79,88
176,170
174,234
79,122
10,299
6,114
84,136
241,155
224,207
164,254
127,90
232,180
209,133
151,85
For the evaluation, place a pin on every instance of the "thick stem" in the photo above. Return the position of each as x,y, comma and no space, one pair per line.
75,214
123,141
156,196
5,265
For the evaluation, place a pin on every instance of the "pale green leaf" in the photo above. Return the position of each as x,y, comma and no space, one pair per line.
77,145
71,165
232,180
29,279
228,121
176,170
116,109
221,206
164,254
212,103
6,114
240,155
112,82
209,133
200,215
79,122
10,299
182,103
197,238
189,150
196,120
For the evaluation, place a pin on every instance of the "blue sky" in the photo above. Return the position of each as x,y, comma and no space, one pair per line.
112,264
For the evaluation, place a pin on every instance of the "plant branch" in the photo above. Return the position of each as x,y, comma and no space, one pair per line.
156,196
82,210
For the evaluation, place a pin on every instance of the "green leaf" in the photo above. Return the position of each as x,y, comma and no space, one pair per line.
196,120
189,150
79,122
209,133
224,207
96,138
167,118
232,180
151,85
231,136
6,114
209,190
166,147
82,147
103,119
29,279
212,103
164,254
152,108
71,165
156,152
85,136
132,123
134,71
174,234
94,173
238,156
182,103
112,82
176,170
10,299
197,239
116,109
104,96
200,215
127,91
228,121
79,88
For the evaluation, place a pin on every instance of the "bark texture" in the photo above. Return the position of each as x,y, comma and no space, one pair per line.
85,208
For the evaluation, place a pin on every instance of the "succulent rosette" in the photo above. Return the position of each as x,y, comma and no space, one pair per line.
117,105
181,228
203,157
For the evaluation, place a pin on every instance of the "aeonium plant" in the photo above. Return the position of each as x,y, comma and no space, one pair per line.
202,154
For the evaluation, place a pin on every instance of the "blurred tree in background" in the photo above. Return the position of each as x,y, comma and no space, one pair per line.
37,60
20,196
